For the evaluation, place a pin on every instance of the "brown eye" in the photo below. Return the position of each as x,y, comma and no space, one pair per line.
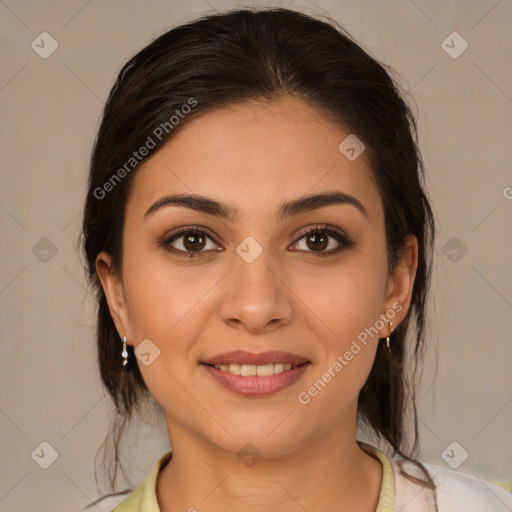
317,241
194,242
189,241
323,241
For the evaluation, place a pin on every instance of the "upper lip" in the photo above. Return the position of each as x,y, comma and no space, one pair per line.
244,357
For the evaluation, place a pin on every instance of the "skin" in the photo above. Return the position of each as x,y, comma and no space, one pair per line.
254,157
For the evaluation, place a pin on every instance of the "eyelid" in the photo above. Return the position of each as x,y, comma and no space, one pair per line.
322,227
192,228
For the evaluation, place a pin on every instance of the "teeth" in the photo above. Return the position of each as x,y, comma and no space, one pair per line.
248,370
233,368
265,370
278,367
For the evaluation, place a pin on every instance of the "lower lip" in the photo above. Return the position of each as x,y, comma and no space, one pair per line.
254,385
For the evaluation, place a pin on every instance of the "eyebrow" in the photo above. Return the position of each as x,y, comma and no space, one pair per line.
287,209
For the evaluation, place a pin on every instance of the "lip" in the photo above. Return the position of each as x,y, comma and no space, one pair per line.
255,386
244,357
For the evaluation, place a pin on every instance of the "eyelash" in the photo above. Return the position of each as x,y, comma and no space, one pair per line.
338,235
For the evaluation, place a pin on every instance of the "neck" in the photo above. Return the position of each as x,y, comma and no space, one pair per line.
331,473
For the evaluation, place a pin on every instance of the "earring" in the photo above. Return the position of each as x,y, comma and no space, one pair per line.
390,331
124,353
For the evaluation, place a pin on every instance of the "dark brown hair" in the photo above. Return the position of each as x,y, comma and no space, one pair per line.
237,56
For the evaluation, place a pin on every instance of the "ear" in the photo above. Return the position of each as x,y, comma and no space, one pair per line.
400,285
113,288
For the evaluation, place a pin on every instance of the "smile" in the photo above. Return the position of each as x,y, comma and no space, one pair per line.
262,370
251,380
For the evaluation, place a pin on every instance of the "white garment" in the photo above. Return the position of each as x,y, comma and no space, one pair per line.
457,491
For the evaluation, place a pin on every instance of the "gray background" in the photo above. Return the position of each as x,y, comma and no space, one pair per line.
50,112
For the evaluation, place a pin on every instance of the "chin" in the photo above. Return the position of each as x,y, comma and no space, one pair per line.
270,436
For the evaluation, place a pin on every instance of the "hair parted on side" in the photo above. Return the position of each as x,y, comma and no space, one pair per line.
264,54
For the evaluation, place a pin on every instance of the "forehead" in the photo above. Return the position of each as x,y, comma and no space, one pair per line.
255,155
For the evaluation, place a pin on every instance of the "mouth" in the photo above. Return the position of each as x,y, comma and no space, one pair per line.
256,375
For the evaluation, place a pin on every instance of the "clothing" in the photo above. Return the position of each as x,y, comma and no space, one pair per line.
456,491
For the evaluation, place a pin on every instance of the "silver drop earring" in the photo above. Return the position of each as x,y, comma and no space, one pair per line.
124,353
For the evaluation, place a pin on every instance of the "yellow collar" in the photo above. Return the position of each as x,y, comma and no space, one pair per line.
387,488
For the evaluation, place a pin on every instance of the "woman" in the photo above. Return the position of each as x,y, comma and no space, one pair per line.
261,243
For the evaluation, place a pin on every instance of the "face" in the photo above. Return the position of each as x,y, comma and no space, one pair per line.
242,272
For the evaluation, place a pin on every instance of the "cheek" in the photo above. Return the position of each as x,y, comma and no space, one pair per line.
168,304
164,306
343,305
342,319
343,300
162,296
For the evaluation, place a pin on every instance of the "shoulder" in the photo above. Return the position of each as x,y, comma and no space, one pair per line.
144,496
106,503
455,490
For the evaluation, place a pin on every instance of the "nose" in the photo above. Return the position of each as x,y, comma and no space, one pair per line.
257,297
